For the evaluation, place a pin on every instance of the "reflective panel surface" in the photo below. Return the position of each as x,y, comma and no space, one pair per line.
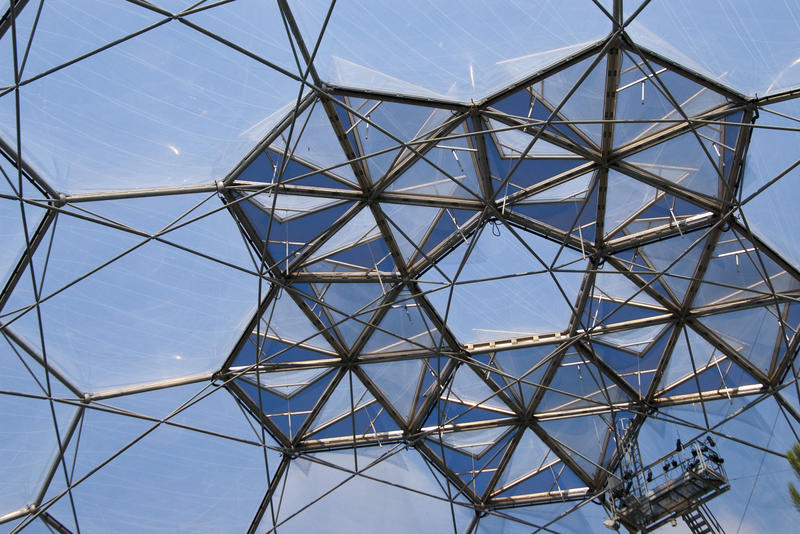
313,267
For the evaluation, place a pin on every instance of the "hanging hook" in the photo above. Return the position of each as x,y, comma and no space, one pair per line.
675,220
455,222
461,167
530,108
410,320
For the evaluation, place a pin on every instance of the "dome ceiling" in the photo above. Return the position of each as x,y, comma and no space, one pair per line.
443,271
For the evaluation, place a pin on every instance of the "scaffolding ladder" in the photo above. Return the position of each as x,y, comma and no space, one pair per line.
702,521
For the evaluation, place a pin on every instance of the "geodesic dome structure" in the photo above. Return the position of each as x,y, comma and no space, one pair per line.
304,266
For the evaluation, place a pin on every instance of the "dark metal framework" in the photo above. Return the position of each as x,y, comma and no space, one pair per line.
460,390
